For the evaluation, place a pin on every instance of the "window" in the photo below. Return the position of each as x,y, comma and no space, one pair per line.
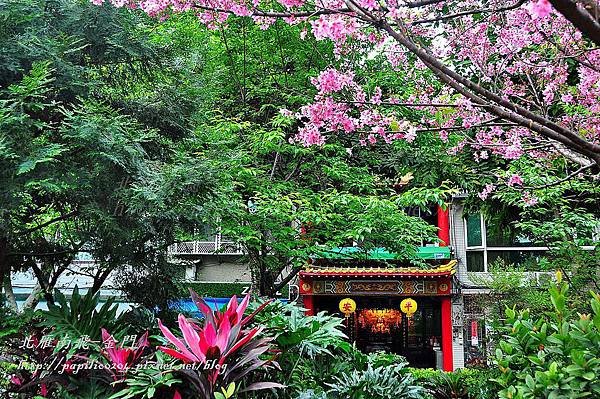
487,242
474,231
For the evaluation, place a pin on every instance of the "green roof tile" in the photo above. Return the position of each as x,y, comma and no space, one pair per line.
426,253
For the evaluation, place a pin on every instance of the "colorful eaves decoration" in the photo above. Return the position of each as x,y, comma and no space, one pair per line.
446,270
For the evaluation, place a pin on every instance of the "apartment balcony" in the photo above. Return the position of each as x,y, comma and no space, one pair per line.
218,246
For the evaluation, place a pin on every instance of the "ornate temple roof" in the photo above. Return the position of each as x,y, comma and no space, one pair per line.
445,270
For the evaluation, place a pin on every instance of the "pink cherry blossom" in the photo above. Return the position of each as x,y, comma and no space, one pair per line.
487,190
291,3
567,98
515,180
331,80
529,199
528,55
336,27
541,8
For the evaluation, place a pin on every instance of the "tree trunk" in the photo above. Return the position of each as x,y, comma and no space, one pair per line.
33,299
10,295
4,266
43,282
99,279
287,279
580,17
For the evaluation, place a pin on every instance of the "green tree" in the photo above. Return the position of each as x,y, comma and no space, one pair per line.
83,168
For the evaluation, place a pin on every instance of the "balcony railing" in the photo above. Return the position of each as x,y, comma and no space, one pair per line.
218,246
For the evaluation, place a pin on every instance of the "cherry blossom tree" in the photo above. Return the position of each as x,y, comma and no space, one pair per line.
514,78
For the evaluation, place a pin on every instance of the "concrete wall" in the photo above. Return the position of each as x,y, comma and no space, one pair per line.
222,268
458,242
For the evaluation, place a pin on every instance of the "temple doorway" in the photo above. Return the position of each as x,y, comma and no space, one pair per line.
378,325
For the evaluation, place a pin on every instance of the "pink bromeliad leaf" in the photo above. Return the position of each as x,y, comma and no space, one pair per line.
242,307
44,390
16,380
223,336
120,356
190,336
189,351
220,337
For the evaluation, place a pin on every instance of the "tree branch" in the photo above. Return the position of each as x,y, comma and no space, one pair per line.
580,18
557,182
446,17
49,222
505,109
286,280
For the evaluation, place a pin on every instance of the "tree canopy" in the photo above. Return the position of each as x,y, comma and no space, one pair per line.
84,166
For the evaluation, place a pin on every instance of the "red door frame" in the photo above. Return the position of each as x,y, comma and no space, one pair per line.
309,305
447,354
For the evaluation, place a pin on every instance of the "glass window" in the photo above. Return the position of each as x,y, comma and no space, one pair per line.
475,261
493,242
526,259
474,236
498,235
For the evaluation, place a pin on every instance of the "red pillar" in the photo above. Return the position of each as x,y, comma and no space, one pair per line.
308,302
443,221
447,334
305,286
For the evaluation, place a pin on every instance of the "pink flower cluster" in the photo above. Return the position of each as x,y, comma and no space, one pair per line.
336,27
341,105
525,55
292,3
529,199
331,81
515,180
540,8
487,190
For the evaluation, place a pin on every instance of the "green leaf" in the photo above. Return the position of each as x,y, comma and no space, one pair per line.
230,390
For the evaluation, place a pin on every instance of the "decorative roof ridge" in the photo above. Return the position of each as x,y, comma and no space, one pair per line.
446,269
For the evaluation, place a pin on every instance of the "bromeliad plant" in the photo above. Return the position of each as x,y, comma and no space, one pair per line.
220,347
382,382
213,357
122,358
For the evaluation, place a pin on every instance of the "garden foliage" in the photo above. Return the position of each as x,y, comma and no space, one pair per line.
69,354
556,355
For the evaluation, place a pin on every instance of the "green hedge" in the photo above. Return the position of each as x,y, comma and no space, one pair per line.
215,290
221,290
476,381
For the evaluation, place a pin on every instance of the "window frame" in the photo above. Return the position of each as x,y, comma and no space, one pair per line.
485,248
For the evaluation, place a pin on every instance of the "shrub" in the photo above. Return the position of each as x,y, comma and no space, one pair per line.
463,383
222,349
553,356
310,347
383,382
81,318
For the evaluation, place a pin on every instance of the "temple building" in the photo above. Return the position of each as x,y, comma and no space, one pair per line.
393,307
